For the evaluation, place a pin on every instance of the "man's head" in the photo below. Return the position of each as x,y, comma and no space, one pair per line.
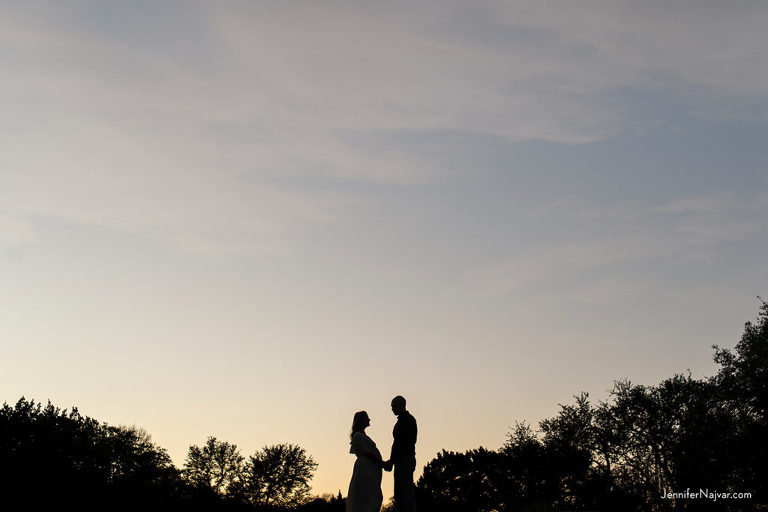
398,405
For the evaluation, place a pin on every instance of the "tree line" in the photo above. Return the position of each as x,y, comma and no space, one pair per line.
646,448
275,476
641,449
50,456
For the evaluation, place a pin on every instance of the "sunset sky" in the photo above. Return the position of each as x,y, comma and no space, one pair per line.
250,219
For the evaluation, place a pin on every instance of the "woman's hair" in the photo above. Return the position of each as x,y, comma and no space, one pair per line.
358,422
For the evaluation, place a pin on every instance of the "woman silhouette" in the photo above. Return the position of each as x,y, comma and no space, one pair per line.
365,487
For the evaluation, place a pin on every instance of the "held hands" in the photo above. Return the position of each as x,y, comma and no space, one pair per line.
387,465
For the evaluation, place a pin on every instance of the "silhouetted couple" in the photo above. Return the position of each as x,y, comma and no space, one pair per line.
365,488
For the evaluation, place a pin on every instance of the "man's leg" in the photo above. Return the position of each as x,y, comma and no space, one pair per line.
405,499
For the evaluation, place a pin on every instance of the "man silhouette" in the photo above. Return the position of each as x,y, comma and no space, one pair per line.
403,456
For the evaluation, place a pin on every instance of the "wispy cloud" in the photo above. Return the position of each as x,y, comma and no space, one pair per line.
205,128
684,230
711,204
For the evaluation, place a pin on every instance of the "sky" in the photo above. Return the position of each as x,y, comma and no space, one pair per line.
250,219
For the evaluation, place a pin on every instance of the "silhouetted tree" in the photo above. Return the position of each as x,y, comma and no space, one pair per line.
743,383
67,454
569,440
276,475
463,481
533,479
138,466
216,466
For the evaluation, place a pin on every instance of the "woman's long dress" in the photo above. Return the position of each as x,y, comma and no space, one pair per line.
365,487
